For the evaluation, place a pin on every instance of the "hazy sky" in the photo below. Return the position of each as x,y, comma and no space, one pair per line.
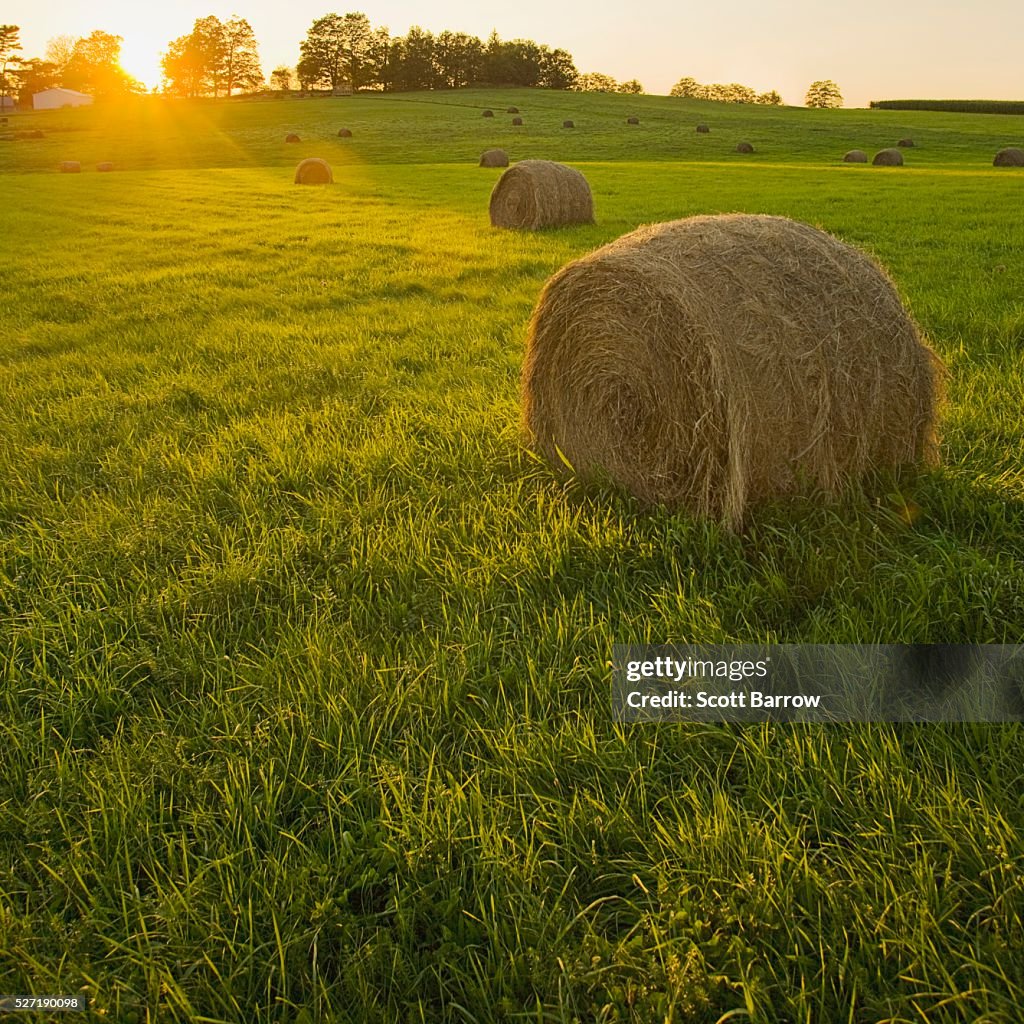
874,49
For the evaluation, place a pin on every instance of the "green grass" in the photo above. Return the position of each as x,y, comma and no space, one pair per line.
305,702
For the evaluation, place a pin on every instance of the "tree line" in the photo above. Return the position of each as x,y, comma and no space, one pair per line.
90,64
340,53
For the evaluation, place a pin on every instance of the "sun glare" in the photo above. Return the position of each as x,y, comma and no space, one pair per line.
140,57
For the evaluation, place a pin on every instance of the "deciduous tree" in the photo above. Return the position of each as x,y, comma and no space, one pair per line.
823,94
594,81
94,66
10,43
240,61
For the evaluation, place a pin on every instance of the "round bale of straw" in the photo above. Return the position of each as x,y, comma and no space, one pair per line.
292,137
1011,156
517,121
713,363
344,133
744,147
568,124
888,158
314,171
632,120
70,167
512,110
494,158
488,113
541,194
703,129
906,143
855,156
106,165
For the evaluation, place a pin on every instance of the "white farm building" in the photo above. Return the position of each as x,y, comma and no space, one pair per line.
54,99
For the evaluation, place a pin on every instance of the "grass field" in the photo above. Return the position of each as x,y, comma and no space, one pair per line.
305,688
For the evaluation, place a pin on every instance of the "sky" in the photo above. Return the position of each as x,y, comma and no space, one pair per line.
874,49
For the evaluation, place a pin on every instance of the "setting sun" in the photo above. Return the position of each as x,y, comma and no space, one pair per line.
140,58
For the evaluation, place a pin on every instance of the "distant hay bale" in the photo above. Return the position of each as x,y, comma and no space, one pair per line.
344,133
716,362
314,171
856,156
512,110
488,113
30,133
703,129
888,158
906,143
632,120
106,165
1011,156
494,158
540,194
70,167
517,121
744,147
568,124
292,137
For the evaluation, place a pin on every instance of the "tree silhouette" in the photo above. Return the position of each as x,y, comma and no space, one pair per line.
10,43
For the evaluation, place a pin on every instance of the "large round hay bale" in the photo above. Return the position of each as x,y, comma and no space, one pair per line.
906,143
494,158
70,167
314,171
1011,156
512,110
541,194
488,113
568,124
719,361
888,158
344,133
632,120
517,121
855,156
703,129
744,147
292,137
106,165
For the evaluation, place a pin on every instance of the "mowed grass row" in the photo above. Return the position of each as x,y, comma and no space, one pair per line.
305,687
441,127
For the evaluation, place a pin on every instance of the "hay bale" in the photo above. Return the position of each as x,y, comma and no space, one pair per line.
855,156
517,121
906,143
70,167
31,133
512,110
494,158
106,165
632,120
344,133
292,137
568,124
488,113
540,194
719,361
888,158
744,147
314,171
703,129
1011,156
